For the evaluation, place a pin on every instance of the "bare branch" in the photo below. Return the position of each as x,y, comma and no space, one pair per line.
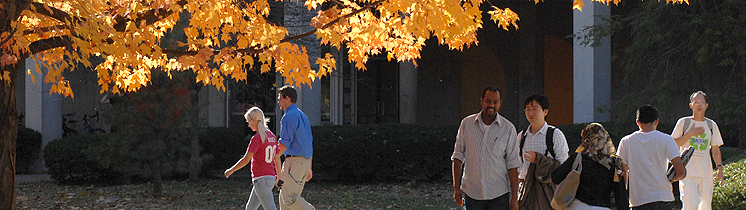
150,17
44,29
49,43
52,12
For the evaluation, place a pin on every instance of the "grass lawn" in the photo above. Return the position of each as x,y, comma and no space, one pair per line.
232,194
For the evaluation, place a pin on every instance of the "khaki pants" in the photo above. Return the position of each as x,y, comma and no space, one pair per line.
294,174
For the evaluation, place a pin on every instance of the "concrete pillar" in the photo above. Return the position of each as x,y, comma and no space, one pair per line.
309,101
43,110
336,89
407,92
531,73
591,68
212,106
298,21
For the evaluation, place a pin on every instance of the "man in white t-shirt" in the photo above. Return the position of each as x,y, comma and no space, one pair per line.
703,134
647,152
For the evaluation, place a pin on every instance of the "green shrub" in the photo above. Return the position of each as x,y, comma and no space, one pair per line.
367,153
732,194
222,147
68,160
28,144
140,154
92,159
730,154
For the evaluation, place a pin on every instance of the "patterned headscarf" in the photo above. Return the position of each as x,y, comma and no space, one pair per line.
598,146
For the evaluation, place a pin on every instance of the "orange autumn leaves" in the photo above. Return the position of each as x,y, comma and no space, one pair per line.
227,38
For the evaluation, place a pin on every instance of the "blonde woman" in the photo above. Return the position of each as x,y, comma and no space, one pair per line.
262,152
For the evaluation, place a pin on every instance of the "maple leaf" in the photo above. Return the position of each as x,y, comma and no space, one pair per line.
578,4
6,77
8,59
504,18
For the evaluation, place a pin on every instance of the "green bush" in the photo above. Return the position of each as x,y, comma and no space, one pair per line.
68,160
222,147
28,144
730,154
368,153
94,159
732,194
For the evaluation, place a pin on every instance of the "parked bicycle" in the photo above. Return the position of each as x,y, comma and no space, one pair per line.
20,120
69,125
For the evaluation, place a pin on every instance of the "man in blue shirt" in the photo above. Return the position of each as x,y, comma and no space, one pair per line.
296,142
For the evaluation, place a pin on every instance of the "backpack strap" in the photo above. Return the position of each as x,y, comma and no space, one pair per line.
709,125
523,141
550,142
687,121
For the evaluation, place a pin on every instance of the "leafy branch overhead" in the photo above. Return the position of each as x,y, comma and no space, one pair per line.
227,37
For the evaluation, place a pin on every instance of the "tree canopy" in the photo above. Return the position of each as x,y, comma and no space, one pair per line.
223,38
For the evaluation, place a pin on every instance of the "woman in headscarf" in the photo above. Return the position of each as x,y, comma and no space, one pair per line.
601,175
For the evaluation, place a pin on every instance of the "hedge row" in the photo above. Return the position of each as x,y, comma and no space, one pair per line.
385,152
76,159
68,160
354,153
732,194
28,143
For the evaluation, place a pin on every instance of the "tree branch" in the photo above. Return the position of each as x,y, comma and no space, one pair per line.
47,44
150,16
44,29
10,35
330,23
52,12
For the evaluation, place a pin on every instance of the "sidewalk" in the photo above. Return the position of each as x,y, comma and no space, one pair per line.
23,178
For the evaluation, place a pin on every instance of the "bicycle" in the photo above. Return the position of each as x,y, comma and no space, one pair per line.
20,120
87,126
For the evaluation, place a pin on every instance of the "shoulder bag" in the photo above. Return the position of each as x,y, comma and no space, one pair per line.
565,192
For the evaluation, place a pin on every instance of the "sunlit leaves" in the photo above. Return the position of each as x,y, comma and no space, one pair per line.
227,38
504,18
578,4
327,64
5,76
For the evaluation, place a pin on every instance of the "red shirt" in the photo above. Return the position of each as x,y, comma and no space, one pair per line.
262,163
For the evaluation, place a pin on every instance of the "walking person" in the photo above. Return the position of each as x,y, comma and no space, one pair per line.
647,152
486,151
602,173
265,163
544,148
703,135
296,142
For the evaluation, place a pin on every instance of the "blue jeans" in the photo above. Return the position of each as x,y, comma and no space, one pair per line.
500,203
261,193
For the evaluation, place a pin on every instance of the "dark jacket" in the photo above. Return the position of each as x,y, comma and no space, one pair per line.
596,184
537,189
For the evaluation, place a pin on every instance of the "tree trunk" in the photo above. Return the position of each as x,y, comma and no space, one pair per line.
8,133
195,161
158,184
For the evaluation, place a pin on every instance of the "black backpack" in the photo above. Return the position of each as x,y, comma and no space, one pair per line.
549,141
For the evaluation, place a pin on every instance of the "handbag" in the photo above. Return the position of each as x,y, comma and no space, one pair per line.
565,192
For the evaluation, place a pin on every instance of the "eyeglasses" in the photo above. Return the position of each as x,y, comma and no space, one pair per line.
532,109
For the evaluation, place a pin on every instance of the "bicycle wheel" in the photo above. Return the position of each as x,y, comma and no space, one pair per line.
69,133
98,131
